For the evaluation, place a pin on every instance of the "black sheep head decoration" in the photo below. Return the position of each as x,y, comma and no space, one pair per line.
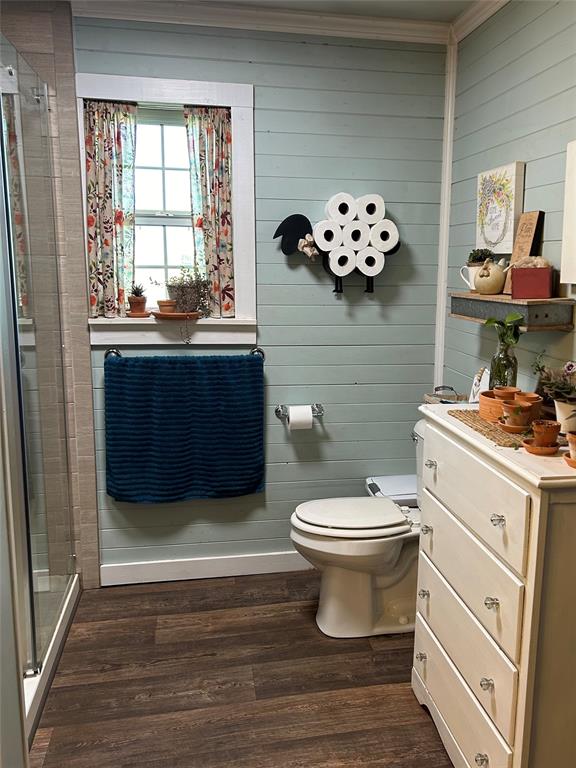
353,238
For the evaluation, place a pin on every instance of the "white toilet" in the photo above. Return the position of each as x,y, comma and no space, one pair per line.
367,552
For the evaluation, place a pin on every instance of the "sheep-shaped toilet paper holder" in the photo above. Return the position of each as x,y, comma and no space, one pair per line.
354,237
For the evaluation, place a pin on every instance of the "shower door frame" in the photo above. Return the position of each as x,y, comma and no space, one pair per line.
15,459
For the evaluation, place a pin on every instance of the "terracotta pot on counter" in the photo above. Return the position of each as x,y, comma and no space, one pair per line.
505,393
571,437
545,432
532,398
517,413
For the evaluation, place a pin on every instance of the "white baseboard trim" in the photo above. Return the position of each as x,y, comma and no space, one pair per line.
201,568
36,688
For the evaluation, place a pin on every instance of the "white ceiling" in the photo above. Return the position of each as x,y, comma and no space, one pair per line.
416,10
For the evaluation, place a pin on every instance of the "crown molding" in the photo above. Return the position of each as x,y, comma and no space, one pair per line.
274,20
476,15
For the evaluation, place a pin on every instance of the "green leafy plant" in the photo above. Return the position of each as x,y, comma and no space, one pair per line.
479,255
191,291
508,330
556,383
137,290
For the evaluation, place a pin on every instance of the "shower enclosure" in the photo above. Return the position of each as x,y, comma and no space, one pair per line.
31,366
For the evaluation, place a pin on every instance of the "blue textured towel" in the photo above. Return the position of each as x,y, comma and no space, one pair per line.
184,427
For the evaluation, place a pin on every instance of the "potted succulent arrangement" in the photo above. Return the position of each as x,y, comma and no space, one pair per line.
476,259
191,291
559,385
504,365
137,300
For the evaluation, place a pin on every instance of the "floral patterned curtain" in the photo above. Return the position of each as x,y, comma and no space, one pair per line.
110,138
17,209
209,132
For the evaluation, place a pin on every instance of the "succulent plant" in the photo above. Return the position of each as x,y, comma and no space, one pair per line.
479,255
137,290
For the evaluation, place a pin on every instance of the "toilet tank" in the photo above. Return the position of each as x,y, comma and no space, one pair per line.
418,437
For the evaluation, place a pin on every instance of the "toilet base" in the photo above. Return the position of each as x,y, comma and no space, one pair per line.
353,604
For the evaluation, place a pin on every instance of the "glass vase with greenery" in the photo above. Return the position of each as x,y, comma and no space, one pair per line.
504,365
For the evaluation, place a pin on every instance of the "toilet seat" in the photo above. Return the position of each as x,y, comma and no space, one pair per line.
352,518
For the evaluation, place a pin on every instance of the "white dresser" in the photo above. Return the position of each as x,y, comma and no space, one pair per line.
495,644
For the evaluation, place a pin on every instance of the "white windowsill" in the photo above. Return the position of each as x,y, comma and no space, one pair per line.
149,331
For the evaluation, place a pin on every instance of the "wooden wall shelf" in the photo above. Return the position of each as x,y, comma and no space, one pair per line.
539,314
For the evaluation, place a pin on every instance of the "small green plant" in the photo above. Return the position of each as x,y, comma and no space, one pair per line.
479,255
508,330
137,290
191,291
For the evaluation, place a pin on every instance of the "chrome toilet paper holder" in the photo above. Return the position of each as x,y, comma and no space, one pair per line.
281,411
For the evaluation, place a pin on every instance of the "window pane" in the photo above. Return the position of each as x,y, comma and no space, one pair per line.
149,190
149,145
180,246
175,147
177,190
148,246
146,276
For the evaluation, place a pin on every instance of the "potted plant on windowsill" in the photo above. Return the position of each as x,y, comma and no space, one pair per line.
559,385
137,301
476,259
504,366
191,291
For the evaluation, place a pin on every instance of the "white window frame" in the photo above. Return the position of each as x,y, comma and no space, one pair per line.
239,97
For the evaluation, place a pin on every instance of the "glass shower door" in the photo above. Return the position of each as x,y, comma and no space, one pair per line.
46,557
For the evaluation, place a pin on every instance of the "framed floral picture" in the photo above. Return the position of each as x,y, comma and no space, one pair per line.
500,198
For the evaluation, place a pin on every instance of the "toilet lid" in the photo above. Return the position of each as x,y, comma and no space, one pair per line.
367,514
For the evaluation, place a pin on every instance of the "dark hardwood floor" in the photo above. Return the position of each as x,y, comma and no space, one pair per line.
228,673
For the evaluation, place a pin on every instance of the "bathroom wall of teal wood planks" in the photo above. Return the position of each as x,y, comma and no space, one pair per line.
515,100
330,115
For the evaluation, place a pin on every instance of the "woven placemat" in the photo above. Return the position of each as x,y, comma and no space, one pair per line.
492,431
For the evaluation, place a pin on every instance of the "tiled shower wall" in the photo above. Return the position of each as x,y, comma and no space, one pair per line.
42,32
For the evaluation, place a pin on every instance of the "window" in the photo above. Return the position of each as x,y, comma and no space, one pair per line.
164,238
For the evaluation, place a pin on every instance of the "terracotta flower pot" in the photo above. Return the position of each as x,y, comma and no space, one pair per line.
167,305
545,432
505,393
517,413
571,437
137,304
532,398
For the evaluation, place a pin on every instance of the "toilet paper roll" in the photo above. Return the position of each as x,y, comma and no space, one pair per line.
327,235
384,235
371,208
300,417
370,262
341,208
356,235
342,261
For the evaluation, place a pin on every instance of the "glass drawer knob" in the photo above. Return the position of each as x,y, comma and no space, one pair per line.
421,657
492,603
498,521
430,463
481,759
486,683
426,529
424,593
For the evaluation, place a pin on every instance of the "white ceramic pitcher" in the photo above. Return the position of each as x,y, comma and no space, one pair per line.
471,270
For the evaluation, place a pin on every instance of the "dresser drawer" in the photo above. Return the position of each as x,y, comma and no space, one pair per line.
472,650
491,591
472,729
495,508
